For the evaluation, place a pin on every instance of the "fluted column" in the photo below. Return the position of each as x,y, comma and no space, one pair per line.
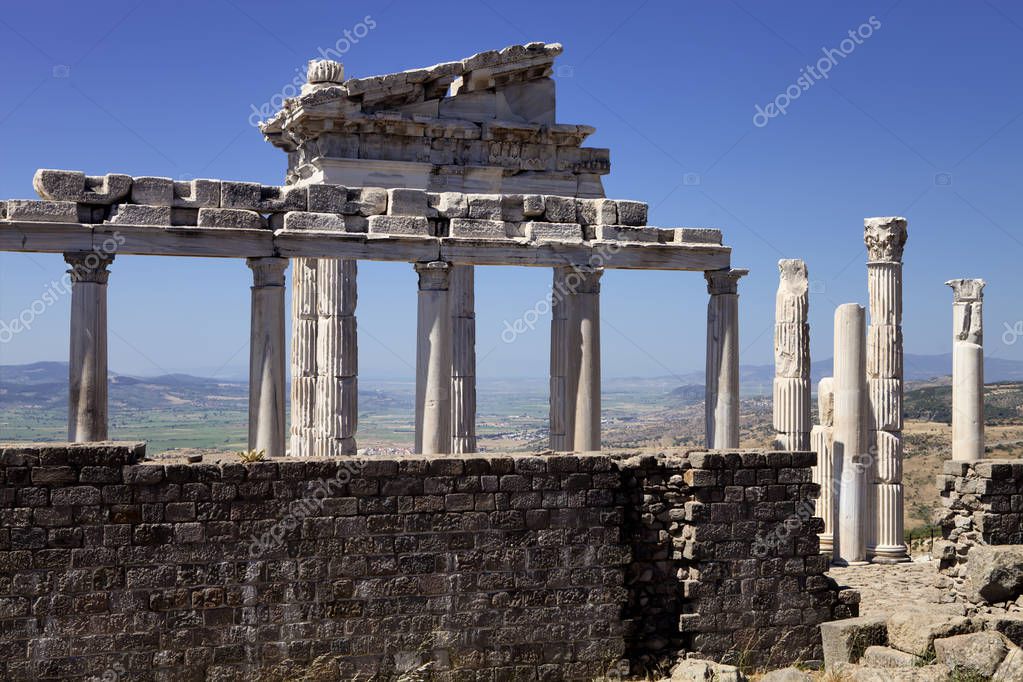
967,369
87,366
824,472
792,358
563,372
463,359
303,357
575,359
337,355
433,359
266,356
850,438
722,386
885,239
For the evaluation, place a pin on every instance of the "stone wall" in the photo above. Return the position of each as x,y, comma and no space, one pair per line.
982,512
503,567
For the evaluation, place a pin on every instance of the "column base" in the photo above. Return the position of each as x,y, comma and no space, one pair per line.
896,554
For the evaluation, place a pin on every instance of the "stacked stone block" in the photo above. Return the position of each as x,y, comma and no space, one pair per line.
725,558
982,506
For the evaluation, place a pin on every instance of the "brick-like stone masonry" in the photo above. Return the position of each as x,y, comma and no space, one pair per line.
498,567
697,583
982,504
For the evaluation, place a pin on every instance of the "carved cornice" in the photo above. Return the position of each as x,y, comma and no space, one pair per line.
885,238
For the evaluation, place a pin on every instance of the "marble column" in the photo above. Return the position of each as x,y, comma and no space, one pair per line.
463,359
792,358
575,360
850,438
303,357
337,357
885,239
433,359
266,356
87,367
824,472
722,386
967,369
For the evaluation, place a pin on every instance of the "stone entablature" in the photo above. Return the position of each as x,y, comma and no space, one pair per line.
485,123
510,565
486,222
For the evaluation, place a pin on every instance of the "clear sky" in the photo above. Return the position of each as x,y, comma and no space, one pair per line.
922,118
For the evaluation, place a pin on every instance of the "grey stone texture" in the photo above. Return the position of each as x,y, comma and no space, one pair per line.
500,566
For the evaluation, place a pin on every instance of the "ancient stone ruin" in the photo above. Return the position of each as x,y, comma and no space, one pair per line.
570,564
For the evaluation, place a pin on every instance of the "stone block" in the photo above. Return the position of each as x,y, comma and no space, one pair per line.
136,214
199,193
787,675
533,205
532,102
845,641
554,232
468,228
596,211
263,198
625,233
152,191
696,235
914,629
399,225
327,198
230,218
1008,624
512,209
449,204
559,209
994,574
1011,669
484,206
60,185
978,653
306,220
366,201
42,211
632,212
887,657
406,202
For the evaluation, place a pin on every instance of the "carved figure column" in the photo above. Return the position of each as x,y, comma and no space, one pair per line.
463,359
433,359
885,239
722,386
850,434
792,358
87,366
304,431
337,357
824,473
266,356
967,369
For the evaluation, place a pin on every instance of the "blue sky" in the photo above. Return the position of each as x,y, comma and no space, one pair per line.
923,119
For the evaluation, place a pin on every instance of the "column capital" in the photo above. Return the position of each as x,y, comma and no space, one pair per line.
724,281
885,238
578,279
89,266
267,272
966,290
434,275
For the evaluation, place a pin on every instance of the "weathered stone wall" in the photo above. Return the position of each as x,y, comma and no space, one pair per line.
725,558
504,566
982,509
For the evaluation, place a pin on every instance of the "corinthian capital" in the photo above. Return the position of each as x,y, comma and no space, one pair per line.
725,281
89,266
885,238
966,290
